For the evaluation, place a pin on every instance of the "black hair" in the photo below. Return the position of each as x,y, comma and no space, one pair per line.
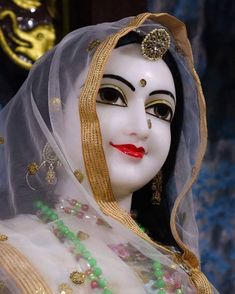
156,218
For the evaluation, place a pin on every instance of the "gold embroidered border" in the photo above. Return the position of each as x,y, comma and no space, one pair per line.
90,132
92,141
21,271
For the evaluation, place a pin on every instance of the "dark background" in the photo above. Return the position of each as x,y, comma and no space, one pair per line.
212,33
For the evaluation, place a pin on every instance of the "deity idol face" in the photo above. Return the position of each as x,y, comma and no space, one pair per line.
135,106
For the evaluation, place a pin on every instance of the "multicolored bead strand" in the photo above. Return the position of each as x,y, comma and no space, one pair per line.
62,232
163,281
162,284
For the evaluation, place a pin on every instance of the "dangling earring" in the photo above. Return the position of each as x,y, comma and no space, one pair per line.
157,189
49,160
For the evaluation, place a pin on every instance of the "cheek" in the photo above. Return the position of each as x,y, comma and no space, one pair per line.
160,141
111,120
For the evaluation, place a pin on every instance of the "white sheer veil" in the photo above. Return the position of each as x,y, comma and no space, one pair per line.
36,116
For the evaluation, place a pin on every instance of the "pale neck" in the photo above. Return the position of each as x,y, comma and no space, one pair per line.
125,203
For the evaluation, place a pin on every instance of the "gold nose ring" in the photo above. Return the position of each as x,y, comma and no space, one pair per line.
149,122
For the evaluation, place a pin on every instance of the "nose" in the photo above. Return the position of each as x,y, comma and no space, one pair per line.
138,122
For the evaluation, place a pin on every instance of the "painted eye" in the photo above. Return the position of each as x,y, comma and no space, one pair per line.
160,109
113,95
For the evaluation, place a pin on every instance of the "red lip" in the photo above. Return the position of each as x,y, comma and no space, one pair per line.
130,150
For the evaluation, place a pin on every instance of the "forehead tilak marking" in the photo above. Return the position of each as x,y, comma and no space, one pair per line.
142,83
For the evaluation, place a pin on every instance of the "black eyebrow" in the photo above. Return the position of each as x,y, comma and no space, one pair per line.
121,79
163,92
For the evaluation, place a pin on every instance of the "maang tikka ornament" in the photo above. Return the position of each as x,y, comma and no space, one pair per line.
155,44
50,161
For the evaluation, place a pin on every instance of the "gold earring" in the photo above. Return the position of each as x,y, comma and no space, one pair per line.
157,189
49,160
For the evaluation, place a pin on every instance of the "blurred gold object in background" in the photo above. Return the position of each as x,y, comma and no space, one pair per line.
26,41
27,4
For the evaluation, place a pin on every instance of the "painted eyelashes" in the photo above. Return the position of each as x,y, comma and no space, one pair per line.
113,95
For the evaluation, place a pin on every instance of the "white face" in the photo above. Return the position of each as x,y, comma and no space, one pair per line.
135,152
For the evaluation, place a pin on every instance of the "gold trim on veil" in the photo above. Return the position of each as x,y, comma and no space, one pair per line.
21,271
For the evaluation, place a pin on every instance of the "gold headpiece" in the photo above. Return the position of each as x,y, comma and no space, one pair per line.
155,44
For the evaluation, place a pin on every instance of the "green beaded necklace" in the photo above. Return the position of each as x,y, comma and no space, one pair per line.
62,232
95,275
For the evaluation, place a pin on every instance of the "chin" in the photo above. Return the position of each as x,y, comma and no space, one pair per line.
127,184
127,177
